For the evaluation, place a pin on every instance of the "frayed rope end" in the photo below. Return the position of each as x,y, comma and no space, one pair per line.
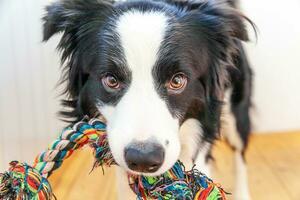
24,182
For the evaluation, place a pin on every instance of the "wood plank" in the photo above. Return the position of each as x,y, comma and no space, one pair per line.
74,180
282,156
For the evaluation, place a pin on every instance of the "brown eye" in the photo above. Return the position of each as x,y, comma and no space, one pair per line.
110,81
178,82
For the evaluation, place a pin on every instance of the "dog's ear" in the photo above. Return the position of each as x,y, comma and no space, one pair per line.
66,15
222,11
54,21
79,21
234,20
222,28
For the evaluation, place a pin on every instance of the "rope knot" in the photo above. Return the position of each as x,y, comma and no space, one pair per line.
23,182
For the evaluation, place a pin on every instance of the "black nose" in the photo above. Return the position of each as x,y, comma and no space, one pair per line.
144,156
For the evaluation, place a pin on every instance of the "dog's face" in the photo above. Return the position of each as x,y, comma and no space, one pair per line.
147,67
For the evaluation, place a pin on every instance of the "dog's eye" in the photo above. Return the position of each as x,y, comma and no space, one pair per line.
111,81
178,82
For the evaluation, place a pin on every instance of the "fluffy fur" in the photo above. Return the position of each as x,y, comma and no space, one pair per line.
143,44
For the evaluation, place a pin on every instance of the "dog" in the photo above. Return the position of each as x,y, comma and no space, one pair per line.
168,76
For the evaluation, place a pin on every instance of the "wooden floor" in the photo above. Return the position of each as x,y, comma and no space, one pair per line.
273,166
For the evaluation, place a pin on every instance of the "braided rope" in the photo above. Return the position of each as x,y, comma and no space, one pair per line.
71,139
23,182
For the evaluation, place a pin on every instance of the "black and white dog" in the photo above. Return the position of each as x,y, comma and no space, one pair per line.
163,73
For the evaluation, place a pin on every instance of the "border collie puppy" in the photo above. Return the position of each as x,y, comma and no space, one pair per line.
158,71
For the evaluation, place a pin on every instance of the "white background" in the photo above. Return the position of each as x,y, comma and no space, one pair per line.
29,71
276,62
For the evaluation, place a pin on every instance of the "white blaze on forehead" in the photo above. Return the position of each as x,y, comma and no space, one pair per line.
141,35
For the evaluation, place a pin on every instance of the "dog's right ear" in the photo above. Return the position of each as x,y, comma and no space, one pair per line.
55,20
64,14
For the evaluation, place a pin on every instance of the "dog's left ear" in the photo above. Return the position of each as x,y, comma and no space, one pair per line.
221,15
235,21
221,27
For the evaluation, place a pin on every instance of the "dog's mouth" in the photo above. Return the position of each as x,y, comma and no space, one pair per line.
148,174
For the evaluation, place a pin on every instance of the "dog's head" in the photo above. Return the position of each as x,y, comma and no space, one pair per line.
147,67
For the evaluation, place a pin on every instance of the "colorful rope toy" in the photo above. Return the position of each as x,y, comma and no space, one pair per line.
23,182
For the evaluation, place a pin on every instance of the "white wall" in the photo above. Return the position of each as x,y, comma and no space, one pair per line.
30,71
276,62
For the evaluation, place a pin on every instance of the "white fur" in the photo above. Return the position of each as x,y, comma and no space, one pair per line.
141,114
229,124
190,131
241,180
190,138
231,133
201,163
123,189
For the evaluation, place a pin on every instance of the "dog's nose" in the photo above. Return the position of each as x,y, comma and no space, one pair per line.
144,156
